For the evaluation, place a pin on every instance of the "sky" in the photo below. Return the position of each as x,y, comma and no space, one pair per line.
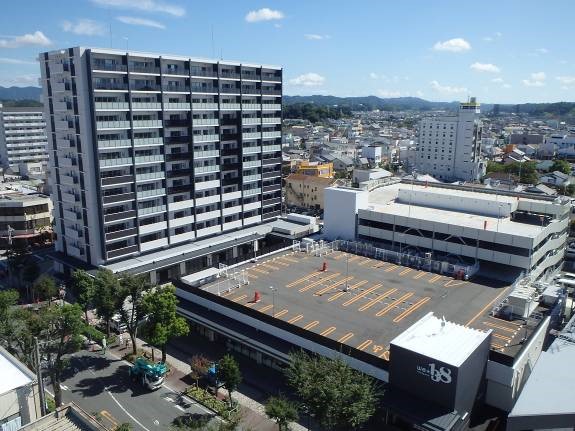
500,51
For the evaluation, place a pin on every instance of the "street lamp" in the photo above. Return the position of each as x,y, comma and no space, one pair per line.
274,290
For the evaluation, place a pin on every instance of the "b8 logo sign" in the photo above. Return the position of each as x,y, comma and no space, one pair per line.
441,374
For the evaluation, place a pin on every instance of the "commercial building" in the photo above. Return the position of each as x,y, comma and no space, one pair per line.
316,169
19,395
449,147
306,191
153,152
500,234
23,140
23,218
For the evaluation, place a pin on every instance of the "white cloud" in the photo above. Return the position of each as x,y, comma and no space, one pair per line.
567,80
264,14
310,79
419,93
542,50
373,75
448,89
536,79
144,5
453,45
488,39
497,80
36,38
506,86
317,36
389,93
277,25
85,27
485,67
491,38
4,60
132,20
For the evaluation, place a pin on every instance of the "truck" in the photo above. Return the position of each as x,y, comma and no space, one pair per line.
148,374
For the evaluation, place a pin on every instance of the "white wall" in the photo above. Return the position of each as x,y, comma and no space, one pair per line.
340,211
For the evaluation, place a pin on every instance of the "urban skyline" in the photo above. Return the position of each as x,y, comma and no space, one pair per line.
438,53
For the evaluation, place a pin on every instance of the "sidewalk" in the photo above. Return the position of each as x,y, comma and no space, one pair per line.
253,412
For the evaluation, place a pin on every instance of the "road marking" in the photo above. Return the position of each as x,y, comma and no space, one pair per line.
361,295
318,282
497,346
434,278
393,304
353,259
126,411
272,267
364,345
63,387
340,256
379,265
454,283
239,298
345,337
311,325
501,337
251,275
279,262
261,271
281,313
355,286
411,309
507,322
333,286
180,408
391,268
266,308
405,271
302,279
503,328
489,304
328,331
289,259
228,293
296,318
363,262
385,355
111,418
421,274
250,304
376,300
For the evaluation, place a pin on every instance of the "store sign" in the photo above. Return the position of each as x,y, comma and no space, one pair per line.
435,373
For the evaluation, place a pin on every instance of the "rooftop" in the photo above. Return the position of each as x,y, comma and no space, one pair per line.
14,374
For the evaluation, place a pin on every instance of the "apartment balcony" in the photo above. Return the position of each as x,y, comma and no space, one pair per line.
236,209
251,121
123,215
58,125
251,164
184,155
252,206
60,87
103,125
272,174
274,120
227,151
251,178
177,106
148,69
73,233
60,107
112,106
208,215
154,158
145,87
124,233
111,254
230,106
74,251
230,90
205,106
214,122
252,150
69,180
229,75
208,231
271,78
182,205
148,106
272,161
251,192
229,167
182,221
146,142
271,188
236,224
252,220
206,185
172,173
121,161
206,138
176,88
231,196
146,124
206,154
181,188
110,86
150,176
115,143
251,91
270,214
271,107
152,227
158,209
123,197
59,68
178,139
176,72
275,134
64,161
109,67
180,122
271,148
70,197
271,92
204,90
251,76
251,135
120,179
204,73
202,170
146,194
207,200
273,201
230,136
251,107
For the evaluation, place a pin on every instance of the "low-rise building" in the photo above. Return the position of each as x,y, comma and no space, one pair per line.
24,217
306,190
556,178
315,169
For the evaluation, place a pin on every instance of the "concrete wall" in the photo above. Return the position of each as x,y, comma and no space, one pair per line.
341,208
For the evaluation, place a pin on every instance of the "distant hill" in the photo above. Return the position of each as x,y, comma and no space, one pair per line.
373,102
20,93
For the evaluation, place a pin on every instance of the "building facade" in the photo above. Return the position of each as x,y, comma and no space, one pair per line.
306,190
24,217
23,138
449,147
151,151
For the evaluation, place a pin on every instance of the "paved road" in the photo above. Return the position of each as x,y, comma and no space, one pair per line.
101,385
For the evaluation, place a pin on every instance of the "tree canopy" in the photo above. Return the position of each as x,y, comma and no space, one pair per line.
228,372
282,411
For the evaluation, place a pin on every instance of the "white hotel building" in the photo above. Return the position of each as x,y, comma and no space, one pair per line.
151,152
449,147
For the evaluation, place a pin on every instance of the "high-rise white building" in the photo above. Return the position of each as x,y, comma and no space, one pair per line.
153,152
23,139
449,147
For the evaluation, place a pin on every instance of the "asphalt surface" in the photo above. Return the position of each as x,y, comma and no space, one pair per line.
102,387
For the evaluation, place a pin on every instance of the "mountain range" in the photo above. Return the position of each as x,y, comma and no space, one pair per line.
20,93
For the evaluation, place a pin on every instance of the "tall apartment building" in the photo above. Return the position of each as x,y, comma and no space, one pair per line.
150,152
23,138
449,147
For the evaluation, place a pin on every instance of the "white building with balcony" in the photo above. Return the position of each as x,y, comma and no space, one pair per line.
153,151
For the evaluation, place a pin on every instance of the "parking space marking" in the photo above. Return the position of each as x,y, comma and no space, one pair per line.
281,313
434,278
345,337
250,304
303,279
454,283
497,346
393,304
239,298
361,295
489,304
506,322
109,417
261,271
380,265
341,255
251,275
318,282
289,259
352,287
311,325
502,327
333,286
266,308
364,345
376,300
228,293
421,274
353,259
385,355
405,271
391,268
411,309
502,337
328,331
296,318
269,266
364,262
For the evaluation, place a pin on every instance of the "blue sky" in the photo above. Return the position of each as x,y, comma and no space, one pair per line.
504,51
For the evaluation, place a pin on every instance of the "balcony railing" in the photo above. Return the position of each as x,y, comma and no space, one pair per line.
251,106
114,143
208,73
251,164
206,154
154,158
206,138
113,124
147,105
180,122
230,75
110,86
271,106
252,150
271,92
186,155
251,178
151,210
148,123
206,169
150,176
252,76
144,87
142,142
272,161
205,106
176,88
110,106
235,106
146,69
173,105
271,148
151,193
230,90
272,78
104,163
271,120
277,134
251,121
205,122
251,135
202,89
251,192
166,71
110,66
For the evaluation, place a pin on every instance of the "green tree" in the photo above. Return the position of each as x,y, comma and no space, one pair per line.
199,366
340,398
45,288
561,166
282,411
570,190
228,372
106,287
8,299
83,290
124,427
30,272
163,323
131,295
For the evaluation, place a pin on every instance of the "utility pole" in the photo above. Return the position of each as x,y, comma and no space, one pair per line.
40,379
